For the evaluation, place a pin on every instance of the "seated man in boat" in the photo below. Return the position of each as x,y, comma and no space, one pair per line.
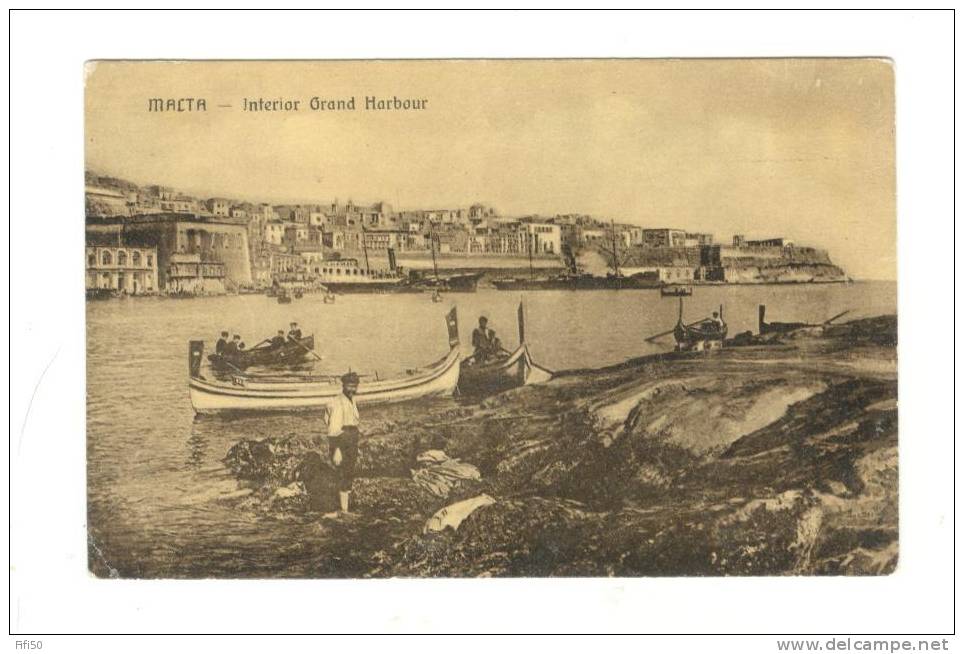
279,340
231,347
485,342
222,342
294,333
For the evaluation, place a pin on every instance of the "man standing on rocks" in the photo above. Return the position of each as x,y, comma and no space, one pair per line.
343,436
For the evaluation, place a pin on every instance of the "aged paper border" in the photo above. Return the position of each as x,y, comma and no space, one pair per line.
51,591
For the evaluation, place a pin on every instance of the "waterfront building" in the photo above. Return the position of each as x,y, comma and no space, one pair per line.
545,238
770,243
218,239
664,237
696,239
285,265
668,274
189,272
131,270
381,240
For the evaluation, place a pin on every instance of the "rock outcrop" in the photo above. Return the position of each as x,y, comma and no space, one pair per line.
758,460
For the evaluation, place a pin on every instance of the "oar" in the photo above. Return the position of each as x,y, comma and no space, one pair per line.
839,315
670,331
225,361
305,348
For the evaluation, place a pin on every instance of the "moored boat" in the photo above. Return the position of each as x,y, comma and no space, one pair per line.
244,392
290,353
675,290
453,283
510,370
706,334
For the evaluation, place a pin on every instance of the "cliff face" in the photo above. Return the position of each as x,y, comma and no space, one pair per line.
739,265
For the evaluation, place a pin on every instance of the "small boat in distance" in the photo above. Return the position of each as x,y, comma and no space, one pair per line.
675,290
251,393
264,354
706,334
510,370
284,298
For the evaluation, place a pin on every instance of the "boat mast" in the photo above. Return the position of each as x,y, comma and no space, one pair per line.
364,245
529,237
615,252
434,262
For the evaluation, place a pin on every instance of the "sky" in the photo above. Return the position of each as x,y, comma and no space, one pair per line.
800,148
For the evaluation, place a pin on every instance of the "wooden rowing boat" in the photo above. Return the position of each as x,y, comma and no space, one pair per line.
245,392
290,353
509,371
706,334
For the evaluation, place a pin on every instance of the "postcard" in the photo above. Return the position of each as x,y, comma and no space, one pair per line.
491,318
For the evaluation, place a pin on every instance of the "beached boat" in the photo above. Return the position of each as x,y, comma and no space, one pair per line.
706,334
244,392
290,353
284,299
502,373
786,327
675,290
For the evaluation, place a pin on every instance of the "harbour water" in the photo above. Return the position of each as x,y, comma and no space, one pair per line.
160,500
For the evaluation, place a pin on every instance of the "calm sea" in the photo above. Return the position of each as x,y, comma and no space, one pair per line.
156,487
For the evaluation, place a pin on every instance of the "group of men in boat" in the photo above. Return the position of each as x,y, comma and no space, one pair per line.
228,348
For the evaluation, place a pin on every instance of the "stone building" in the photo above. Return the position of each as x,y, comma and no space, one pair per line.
664,237
131,270
190,273
215,239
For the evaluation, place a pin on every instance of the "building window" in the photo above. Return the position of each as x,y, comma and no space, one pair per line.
105,258
150,260
91,260
135,258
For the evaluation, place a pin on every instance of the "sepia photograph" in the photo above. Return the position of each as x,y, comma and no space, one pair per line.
491,318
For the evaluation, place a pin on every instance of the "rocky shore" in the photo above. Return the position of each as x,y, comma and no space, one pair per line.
775,457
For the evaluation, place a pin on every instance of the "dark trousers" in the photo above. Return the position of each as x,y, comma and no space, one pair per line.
347,442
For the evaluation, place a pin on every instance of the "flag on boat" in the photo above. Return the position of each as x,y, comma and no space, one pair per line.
452,322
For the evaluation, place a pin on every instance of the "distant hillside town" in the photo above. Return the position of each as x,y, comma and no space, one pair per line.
155,239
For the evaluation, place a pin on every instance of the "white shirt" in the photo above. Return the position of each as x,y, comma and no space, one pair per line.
342,412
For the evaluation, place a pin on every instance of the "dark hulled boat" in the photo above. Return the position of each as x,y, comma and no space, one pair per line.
578,282
674,290
453,283
778,327
506,371
290,353
706,334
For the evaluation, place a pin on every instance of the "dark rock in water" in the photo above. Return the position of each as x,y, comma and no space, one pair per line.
320,481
